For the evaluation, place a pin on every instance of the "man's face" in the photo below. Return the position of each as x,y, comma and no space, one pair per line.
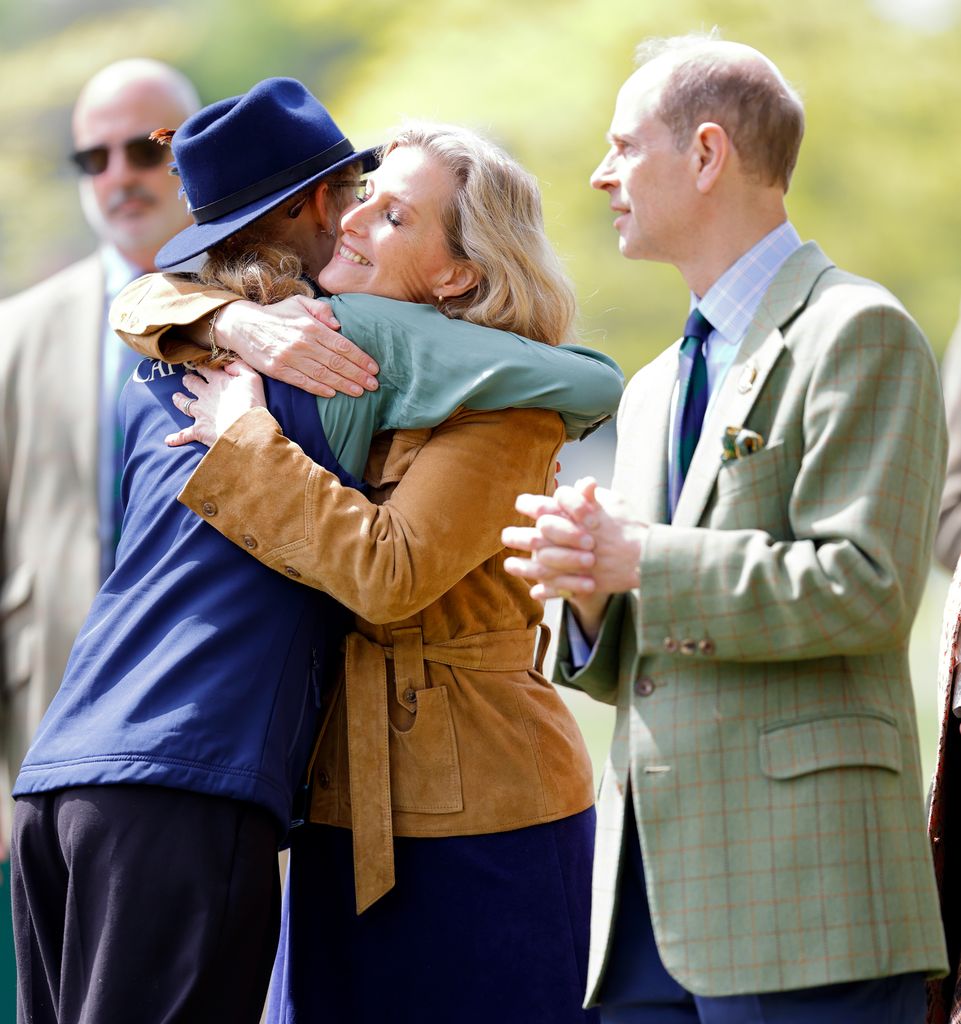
648,180
136,208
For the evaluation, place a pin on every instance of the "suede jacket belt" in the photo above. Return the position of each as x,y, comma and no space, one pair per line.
368,726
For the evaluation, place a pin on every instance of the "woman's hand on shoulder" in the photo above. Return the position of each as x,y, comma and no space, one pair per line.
217,400
296,341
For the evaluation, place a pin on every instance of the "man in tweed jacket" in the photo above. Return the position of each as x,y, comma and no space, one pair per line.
761,852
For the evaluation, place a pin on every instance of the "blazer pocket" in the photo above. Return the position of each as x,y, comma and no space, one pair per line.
752,471
424,765
854,740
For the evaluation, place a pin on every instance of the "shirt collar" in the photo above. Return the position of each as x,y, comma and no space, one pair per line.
118,272
731,302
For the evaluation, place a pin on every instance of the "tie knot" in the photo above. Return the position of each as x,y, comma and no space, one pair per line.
697,326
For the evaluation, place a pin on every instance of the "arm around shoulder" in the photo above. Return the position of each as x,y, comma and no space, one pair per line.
147,313
388,561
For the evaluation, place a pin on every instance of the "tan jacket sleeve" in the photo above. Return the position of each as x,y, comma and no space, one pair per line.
147,313
385,562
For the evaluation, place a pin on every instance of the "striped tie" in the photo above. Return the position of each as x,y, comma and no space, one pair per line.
692,396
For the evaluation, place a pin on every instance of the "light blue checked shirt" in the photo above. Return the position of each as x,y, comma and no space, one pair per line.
729,305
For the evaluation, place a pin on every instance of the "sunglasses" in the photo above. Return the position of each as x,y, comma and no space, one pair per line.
141,153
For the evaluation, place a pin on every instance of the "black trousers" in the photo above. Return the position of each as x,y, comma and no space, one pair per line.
143,905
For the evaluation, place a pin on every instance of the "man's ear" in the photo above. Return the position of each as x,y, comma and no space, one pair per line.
459,277
711,151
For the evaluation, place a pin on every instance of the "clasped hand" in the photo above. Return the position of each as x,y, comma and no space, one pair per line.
585,545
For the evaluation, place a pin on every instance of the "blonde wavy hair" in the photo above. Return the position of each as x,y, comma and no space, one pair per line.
495,223
257,263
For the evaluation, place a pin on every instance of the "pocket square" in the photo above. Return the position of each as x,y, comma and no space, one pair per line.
739,443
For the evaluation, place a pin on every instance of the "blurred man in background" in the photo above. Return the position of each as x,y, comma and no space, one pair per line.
59,439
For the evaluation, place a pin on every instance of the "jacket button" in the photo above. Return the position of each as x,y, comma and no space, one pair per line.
249,542
670,644
706,646
291,572
644,686
688,646
323,780
410,695
208,508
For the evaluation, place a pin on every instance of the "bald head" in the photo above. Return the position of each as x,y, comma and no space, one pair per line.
702,79
137,74
135,208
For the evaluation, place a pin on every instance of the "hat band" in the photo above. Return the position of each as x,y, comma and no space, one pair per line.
274,183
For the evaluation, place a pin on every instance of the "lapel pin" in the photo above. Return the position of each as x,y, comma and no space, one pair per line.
746,380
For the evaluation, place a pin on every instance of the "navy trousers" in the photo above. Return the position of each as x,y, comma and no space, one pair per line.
142,905
638,990
489,929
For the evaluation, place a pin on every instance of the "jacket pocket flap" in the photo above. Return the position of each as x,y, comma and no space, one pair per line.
839,741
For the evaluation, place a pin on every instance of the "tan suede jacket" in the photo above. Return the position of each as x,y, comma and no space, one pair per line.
440,723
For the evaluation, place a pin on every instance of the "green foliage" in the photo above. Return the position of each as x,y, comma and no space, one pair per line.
541,78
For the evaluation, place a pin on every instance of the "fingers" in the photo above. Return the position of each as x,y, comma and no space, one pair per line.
522,538
181,438
535,505
550,531
309,384
560,531
311,375
196,384
578,507
587,486
551,583
341,364
183,402
551,561
321,311
569,588
356,360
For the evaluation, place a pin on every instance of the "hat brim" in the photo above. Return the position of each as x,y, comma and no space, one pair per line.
198,238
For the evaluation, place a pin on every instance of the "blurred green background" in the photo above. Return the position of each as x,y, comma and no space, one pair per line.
877,184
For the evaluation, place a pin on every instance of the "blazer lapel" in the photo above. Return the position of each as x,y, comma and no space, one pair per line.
787,294
643,426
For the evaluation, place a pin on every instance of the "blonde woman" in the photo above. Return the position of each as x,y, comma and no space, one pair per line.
444,869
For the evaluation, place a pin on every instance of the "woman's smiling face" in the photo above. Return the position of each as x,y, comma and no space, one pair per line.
392,243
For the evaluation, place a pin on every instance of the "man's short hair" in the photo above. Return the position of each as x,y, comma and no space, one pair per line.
747,96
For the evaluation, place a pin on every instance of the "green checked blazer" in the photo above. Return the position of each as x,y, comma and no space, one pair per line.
765,716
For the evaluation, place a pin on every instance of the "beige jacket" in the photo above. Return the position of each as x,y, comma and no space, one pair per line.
50,339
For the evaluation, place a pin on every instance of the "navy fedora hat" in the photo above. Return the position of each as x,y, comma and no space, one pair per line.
241,157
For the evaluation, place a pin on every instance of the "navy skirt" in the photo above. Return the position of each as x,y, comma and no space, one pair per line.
489,929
